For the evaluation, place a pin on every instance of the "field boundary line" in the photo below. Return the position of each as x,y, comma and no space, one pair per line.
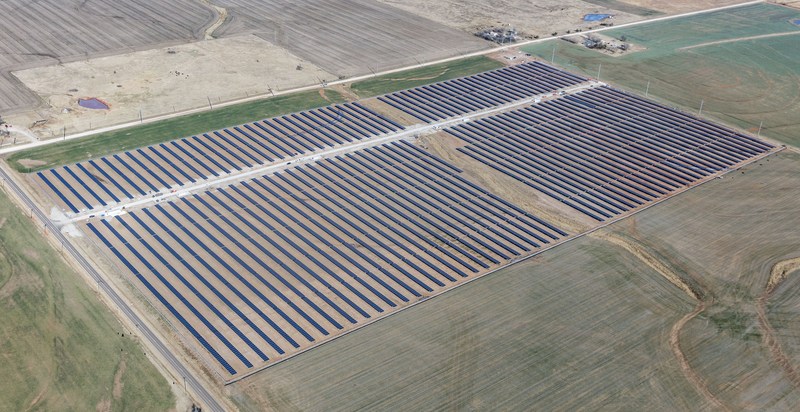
264,96
602,226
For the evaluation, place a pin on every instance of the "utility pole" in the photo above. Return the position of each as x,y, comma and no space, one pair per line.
701,107
553,58
210,106
647,90
598,71
759,128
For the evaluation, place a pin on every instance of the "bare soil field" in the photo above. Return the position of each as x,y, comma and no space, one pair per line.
158,81
347,37
531,18
54,31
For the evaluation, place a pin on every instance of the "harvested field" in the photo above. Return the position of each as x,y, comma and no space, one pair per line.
160,80
741,63
281,263
61,348
347,37
53,31
648,7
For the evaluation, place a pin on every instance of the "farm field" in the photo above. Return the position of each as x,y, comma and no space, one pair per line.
62,349
589,323
727,236
424,75
740,62
78,29
139,136
347,37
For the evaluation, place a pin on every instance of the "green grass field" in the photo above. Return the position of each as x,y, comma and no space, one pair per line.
125,139
61,348
743,81
425,75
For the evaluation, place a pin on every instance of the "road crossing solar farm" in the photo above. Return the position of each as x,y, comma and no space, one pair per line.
262,240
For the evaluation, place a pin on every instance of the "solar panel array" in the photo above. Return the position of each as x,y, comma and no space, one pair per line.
481,91
270,266
602,151
167,166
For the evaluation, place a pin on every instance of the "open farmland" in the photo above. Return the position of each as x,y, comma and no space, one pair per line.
61,348
52,31
727,237
283,262
347,37
589,324
741,62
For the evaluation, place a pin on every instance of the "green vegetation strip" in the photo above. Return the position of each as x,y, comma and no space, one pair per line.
424,75
61,348
138,136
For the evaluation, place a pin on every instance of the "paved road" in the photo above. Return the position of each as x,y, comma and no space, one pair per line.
204,397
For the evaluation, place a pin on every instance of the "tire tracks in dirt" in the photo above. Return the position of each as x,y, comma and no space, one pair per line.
639,251
777,275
